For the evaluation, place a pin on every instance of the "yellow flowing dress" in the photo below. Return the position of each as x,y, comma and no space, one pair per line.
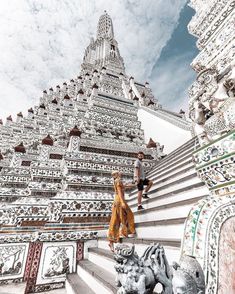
122,219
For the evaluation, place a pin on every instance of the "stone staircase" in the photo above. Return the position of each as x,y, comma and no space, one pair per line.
176,188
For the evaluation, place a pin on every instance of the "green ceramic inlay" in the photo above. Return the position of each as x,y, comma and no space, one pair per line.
215,160
221,138
222,185
198,212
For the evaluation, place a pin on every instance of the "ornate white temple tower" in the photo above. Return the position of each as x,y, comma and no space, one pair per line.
104,52
209,230
56,189
56,163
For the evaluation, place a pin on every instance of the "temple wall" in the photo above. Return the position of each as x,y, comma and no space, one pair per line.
162,131
42,266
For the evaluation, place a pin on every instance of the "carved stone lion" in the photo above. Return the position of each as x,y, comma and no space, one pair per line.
137,275
140,275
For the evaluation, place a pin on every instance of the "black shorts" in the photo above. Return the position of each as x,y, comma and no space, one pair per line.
142,183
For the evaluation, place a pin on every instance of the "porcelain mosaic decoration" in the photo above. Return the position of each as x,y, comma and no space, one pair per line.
212,109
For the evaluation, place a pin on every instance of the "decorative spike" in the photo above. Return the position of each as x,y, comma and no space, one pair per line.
47,141
75,132
66,97
20,148
81,92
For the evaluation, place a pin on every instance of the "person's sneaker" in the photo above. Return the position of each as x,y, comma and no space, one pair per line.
140,207
145,196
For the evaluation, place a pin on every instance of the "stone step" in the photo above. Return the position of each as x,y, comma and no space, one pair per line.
103,258
167,211
99,271
191,192
161,229
179,185
166,160
99,279
176,178
189,146
75,285
13,288
103,242
187,164
172,163
174,170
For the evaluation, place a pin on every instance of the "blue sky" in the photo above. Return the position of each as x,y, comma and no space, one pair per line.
42,43
171,74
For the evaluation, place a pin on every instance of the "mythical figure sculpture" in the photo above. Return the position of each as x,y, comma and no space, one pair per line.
212,104
157,149
198,117
140,275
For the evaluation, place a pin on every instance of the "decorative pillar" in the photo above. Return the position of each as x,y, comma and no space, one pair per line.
29,261
80,95
67,100
47,142
41,109
57,89
95,89
30,113
19,117
80,251
75,140
9,120
64,88
124,87
103,73
51,93
17,157
44,95
34,266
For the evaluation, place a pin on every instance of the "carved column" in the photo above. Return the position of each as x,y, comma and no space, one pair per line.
32,275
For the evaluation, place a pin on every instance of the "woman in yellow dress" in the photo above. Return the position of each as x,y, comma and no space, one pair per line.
122,219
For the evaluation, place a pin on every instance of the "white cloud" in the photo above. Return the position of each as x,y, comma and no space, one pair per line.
171,79
42,41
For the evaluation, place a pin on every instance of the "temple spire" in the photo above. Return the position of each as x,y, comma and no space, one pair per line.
105,27
103,51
